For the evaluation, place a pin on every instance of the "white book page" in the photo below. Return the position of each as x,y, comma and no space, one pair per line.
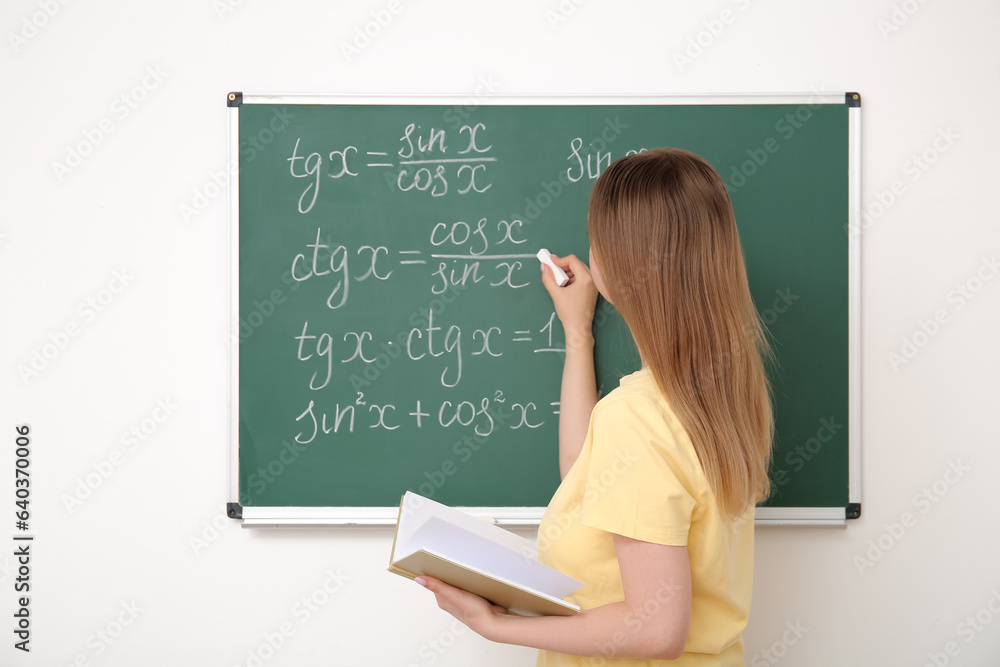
417,509
554,598
457,544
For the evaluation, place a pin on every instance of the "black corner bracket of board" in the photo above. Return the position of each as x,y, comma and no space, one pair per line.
853,511
851,99
234,510
234,99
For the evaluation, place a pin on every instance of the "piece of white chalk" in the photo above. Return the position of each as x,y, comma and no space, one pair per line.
546,258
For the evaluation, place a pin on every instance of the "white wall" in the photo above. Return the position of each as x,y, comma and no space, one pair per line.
162,336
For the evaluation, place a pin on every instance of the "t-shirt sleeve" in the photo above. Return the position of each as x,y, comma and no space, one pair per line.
637,482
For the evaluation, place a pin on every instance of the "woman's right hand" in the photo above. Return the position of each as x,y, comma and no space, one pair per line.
575,301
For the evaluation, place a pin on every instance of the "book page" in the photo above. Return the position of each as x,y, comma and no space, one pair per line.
480,553
417,509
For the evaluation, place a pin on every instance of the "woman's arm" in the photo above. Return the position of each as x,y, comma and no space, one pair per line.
574,303
577,397
651,623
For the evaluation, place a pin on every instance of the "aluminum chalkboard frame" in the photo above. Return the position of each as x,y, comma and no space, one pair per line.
530,516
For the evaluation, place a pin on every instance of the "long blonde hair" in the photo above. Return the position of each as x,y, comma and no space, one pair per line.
663,235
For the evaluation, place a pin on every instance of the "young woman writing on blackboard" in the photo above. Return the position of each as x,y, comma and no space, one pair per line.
660,477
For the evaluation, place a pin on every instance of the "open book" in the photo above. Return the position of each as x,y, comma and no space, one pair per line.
476,556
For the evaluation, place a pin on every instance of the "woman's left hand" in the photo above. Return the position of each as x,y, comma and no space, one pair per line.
476,612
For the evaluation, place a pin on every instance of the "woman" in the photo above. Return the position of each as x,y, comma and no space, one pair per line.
660,477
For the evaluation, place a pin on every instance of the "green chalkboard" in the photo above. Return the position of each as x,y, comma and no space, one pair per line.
391,331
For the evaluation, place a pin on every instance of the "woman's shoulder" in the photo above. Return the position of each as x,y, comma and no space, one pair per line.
636,391
637,407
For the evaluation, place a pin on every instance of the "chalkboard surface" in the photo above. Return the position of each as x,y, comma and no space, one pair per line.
393,332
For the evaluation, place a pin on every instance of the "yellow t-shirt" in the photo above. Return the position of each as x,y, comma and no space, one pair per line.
639,476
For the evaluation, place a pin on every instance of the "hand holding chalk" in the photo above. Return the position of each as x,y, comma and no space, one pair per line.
545,257
574,295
